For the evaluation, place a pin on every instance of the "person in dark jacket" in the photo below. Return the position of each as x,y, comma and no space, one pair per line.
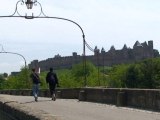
52,80
36,81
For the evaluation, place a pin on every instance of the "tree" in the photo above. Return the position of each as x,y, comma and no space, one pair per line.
5,75
78,73
142,74
2,80
117,76
19,81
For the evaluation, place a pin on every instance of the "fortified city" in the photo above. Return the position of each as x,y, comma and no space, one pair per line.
140,51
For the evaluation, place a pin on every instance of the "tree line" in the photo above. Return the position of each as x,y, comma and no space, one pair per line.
141,74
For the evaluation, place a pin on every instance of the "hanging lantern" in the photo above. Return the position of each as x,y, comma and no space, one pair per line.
29,4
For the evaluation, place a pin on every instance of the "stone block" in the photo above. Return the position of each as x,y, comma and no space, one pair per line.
82,95
121,99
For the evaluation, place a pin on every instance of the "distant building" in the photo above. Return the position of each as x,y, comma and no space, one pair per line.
140,51
14,73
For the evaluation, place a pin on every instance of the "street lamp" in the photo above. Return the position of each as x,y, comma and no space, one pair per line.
29,4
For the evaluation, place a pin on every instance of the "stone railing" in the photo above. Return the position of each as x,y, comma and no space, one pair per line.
16,111
138,98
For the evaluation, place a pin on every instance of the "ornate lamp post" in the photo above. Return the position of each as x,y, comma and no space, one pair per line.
29,4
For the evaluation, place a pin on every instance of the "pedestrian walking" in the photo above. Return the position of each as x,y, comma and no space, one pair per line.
52,80
36,81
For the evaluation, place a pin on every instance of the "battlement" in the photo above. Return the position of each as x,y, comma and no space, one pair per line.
139,51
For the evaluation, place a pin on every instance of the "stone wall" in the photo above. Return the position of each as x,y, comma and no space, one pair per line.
112,57
138,98
148,99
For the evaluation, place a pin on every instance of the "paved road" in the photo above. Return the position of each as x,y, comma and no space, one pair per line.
75,110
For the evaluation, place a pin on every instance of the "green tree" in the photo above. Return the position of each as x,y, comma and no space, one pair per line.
134,76
90,72
5,75
2,80
151,70
117,76
19,81
142,74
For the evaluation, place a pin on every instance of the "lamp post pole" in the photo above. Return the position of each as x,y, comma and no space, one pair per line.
83,36
98,67
29,4
103,54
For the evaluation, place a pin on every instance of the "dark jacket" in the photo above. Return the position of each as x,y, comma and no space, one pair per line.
51,78
35,78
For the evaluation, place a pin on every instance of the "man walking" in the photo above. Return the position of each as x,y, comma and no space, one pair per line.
35,80
52,80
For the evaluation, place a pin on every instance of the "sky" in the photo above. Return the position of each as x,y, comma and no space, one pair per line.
104,22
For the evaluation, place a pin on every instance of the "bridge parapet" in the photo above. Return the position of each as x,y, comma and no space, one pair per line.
18,111
138,98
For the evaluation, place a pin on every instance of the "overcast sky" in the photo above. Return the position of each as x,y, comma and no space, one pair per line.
105,23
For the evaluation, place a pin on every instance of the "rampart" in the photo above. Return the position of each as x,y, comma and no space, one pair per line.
16,111
112,57
137,98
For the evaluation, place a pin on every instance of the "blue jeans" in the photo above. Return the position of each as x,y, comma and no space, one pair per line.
35,90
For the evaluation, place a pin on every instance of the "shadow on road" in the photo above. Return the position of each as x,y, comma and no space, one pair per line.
35,101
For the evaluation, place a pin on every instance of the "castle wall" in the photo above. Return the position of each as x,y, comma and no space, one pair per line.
110,58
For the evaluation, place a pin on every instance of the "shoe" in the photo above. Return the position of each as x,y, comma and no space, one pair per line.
36,99
54,97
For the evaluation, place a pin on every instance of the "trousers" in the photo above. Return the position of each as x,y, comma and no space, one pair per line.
35,90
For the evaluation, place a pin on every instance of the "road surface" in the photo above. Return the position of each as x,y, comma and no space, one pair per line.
72,109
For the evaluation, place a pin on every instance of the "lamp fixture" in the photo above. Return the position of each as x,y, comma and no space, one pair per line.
29,3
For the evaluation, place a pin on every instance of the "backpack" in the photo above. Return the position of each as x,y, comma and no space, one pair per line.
51,78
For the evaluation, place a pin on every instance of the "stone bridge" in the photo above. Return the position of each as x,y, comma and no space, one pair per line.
83,104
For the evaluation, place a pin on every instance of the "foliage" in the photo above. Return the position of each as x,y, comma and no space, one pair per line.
78,73
43,84
2,80
93,75
19,81
143,74
117,76
68,78
5,75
